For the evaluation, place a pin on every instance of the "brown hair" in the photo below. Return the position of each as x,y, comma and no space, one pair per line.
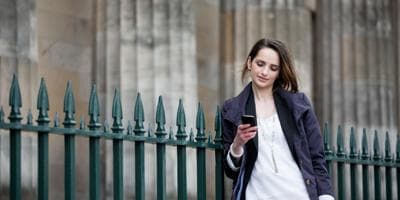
287,78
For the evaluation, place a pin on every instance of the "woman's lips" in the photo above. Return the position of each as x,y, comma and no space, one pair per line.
263,79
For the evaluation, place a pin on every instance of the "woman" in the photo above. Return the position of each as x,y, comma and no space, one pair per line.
282,156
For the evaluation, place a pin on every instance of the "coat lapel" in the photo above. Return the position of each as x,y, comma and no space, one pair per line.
250,109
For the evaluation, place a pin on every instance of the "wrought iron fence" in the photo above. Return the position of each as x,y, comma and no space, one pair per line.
96,131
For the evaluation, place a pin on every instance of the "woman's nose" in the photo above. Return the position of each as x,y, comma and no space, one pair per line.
265,70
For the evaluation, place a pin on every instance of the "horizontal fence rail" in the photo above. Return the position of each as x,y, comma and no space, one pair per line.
366,162
96,131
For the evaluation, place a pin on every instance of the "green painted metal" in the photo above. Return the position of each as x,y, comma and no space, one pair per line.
377,172
117,129
15,140
219,171
94,145
398,163
69,144
201,154
1,114
365,167
353,167
388,171
43,142
327,148
139,150
181,151
56,120
29,118
69,107
340,165
161,162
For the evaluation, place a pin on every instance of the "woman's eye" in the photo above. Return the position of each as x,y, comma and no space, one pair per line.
274,68
260,64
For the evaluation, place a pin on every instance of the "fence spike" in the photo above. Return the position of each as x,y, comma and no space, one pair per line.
106,128
129,130
191,135
149,131
1,114
69,107
82,123
377,155
29,117
388,153
139,116
160,119
218,126
94,110
200,124
117,113
364,146
171,133
398,149
181,122
43,104
15,101
340,143
353,145
56,120
327,147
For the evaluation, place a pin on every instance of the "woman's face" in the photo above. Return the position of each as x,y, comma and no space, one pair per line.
264,68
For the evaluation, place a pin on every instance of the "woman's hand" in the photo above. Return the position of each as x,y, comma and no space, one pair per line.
243,134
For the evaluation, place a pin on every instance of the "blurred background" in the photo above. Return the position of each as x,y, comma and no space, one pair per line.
346,53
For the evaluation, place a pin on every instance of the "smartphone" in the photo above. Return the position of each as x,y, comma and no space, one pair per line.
249,119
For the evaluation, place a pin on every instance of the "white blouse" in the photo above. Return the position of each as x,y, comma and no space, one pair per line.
275,174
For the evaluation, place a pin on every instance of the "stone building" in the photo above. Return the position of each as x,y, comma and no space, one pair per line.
346,53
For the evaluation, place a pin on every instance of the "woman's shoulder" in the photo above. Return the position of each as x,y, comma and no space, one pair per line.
295,100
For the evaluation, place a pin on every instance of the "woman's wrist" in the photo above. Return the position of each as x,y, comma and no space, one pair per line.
236,151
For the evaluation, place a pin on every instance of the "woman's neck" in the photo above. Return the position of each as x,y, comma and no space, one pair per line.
262,94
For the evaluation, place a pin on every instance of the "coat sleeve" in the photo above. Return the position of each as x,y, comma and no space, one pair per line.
229,132
314,137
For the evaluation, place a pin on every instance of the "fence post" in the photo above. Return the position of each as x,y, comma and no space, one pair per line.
219,171
377,174
353,167
365,157
43,143
161,163
201,155
340,154
181,150
398,162
94,145
15,103
139,149
388,170
69,144
118,164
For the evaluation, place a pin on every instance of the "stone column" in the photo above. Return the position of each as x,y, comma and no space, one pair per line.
18,55
150,48
252,20
356,65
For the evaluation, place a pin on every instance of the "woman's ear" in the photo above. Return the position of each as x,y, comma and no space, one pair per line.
249,63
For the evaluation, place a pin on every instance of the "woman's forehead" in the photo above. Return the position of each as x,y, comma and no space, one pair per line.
268,55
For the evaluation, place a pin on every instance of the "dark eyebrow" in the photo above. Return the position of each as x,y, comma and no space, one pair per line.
257,60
